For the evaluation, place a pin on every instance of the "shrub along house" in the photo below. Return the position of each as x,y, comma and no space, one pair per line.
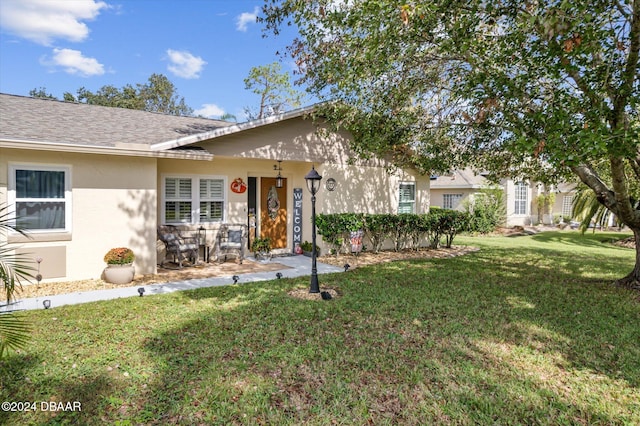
84,179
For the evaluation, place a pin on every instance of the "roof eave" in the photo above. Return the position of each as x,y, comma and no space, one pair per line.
92,149
463,186
229,130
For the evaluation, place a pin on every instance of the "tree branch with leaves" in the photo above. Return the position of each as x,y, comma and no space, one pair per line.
525,90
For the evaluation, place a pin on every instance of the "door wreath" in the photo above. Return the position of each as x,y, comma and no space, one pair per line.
273,203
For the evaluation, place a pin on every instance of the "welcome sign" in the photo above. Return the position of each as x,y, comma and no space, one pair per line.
297,217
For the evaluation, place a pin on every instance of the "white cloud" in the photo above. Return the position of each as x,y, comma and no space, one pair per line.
184,64
209,111
74,63
42,21
246,18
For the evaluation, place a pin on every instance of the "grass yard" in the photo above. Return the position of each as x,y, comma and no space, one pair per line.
526,331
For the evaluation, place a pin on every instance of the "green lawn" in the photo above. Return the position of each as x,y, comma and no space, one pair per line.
526,331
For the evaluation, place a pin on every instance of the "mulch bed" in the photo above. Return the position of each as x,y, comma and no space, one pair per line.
370,258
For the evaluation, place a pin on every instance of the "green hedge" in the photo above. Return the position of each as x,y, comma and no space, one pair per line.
405,230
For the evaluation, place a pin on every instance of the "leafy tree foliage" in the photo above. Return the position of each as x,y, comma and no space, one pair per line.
41,93
157,95
273,86
487,210
527,89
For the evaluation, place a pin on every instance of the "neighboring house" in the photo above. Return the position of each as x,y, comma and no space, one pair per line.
84,179
454,190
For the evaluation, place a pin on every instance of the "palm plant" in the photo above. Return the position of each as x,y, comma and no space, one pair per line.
14,329
586,209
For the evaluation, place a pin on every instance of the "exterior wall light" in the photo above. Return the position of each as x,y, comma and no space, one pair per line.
279,178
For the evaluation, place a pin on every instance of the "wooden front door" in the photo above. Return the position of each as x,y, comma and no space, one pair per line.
273,212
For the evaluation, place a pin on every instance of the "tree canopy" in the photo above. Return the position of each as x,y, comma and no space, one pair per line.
525,89
274,88
157,95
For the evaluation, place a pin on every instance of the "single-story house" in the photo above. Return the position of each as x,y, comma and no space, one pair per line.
84,179
454,190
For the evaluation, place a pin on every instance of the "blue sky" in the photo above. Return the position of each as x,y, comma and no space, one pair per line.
205,47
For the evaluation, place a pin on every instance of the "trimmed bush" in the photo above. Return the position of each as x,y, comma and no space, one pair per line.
378,227
405,230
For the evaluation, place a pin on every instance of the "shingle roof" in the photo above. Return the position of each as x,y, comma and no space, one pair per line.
465,178
50,121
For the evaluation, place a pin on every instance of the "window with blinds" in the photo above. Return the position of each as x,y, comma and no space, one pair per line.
42,197
407,197
193,199
211,200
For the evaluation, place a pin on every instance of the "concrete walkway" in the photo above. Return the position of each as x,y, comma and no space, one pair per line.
296,266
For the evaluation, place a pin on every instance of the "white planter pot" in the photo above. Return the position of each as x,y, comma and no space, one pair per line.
119,274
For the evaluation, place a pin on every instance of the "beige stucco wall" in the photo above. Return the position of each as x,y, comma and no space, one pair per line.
358,189
299,143
113,203
295,139
366,189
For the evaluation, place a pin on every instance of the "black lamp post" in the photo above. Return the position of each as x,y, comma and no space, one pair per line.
313,183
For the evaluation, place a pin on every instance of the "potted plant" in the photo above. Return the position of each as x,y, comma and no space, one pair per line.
261,247
119,268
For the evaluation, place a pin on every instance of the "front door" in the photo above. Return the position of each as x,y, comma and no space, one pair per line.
273,212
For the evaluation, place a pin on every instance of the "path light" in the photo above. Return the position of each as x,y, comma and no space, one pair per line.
46,303
346,267
313,184
39,275
278,275
141,291
235,279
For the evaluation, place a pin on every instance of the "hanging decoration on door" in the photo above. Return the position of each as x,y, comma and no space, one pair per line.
238,186
273,203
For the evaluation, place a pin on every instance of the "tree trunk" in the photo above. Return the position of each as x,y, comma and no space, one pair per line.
632,280
619,203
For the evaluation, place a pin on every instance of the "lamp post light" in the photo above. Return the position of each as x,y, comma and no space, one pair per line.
313,184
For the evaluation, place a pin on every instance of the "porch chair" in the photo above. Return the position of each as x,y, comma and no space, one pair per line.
177,244
231,240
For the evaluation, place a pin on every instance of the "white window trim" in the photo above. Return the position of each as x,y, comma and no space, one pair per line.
516,199
195,196
413,202
68,201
